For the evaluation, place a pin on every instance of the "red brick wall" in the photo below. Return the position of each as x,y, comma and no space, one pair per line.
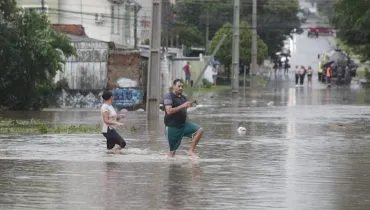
77,30
125,64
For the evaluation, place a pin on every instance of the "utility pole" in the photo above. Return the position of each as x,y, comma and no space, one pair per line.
235,54
153,82
207,32
254,69
244,76
219,44
200,76
43,5
166,22
136,10
171,22
82,19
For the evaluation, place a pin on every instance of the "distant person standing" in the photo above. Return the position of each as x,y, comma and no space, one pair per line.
309,75
296,75
186,69
319,71
328,76
214,75
302,74
109,119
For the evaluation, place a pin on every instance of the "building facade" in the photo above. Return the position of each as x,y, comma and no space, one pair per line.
105,20
35,5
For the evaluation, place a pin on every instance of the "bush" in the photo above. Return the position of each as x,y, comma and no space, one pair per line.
367,74
206,83
61,84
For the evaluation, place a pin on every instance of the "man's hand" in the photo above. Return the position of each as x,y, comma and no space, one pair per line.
187,104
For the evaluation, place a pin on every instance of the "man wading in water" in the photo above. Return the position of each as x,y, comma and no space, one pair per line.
175,119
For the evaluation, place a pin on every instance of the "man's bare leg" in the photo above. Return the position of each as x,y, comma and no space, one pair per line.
198,135
115,149
171,154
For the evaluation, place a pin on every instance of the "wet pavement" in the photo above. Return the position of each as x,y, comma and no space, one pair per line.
305,148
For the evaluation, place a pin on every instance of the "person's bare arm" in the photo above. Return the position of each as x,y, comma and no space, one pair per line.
172,110
107,120
117,116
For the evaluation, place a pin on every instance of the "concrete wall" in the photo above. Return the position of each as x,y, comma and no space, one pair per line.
88,70
124,64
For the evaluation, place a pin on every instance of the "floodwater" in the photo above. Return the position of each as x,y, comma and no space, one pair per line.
304,149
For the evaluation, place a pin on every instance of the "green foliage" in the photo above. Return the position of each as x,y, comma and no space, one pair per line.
42,129
367,74
225,52
188,35
206,83
12,126
277,19
7,9
31,53
352,19
61,84
325,7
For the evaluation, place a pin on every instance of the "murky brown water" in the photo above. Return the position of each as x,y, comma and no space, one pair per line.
309,150
304,149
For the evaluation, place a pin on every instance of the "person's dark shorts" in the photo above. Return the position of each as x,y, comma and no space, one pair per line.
113,138
174,135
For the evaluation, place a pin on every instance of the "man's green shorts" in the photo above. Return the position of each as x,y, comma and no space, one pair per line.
174,135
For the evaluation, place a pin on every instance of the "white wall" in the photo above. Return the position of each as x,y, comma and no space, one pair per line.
83,12
87,71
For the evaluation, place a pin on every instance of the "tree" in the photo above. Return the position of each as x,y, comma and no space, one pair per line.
188,35
7,8
325,7
277,19
225,52
31,53
353,23
200,13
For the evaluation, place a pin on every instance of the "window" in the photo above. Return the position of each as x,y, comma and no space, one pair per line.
115,19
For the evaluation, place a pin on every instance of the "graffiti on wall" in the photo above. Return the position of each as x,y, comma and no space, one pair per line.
127,98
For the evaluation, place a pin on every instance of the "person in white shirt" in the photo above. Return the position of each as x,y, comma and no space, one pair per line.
109,119
214,75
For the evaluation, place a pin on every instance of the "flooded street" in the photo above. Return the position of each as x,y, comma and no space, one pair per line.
305,148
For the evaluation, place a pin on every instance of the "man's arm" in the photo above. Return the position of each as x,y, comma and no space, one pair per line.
172,110
107,119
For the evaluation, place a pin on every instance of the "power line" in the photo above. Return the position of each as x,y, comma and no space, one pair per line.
128,17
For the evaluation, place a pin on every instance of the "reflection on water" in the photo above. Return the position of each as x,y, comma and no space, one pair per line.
309,150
